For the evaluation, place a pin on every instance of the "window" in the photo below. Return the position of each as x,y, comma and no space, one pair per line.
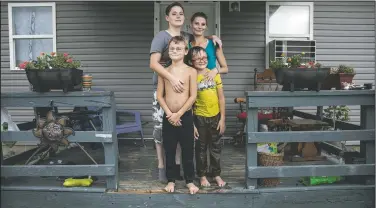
32,30
288,21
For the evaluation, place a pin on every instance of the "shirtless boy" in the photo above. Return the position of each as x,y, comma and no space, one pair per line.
178,117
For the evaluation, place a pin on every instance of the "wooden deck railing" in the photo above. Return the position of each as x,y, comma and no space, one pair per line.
108,136
366,133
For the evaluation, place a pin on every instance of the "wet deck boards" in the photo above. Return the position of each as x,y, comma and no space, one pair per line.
138,170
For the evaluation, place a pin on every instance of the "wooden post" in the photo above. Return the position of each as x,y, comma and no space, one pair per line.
319,113
367,148
111,151
251,149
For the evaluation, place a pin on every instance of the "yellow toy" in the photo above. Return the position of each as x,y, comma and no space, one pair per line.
74,182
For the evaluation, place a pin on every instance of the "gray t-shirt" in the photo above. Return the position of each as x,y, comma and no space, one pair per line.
160,45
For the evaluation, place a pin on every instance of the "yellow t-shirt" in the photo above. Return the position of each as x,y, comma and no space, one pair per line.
207,102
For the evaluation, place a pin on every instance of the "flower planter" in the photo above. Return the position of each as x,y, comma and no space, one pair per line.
300,78
335,81
345,78
46,80
331,81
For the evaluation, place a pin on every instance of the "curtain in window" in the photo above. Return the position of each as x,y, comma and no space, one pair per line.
32,21
32,31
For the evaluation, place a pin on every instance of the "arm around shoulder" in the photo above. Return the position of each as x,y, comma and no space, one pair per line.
222,61
157,47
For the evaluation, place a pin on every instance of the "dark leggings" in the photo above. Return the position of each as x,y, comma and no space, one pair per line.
184,135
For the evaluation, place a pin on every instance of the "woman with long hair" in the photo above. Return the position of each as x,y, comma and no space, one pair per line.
199,22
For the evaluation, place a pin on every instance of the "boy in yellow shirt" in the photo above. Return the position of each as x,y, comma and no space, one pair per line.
209,119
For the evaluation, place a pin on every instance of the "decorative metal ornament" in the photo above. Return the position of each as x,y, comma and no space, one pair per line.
52,131
234,6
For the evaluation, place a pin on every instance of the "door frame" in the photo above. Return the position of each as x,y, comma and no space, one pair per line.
217,15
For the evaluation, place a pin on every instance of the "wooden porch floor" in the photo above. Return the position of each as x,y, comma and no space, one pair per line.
138,170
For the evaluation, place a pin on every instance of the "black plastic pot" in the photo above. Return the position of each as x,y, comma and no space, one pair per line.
52,79
300,78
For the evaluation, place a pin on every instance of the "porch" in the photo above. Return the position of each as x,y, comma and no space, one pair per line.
132,181
138,171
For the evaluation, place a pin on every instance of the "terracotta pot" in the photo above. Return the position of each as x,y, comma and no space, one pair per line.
335,81
345,78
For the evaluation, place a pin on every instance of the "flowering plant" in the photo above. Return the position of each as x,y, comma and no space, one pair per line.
51,61
294,61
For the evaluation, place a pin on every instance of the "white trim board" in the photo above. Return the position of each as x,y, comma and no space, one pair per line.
269,37
12,53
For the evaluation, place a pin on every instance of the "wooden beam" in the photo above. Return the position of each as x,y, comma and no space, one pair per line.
53,189
339,124
330,198
259,99
80,136
77,98
310,170
311,136
251,149
57,170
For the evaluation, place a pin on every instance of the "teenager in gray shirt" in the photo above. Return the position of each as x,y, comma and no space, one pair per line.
159,59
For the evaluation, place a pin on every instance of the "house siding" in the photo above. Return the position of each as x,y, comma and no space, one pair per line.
345,34
243,35
112,40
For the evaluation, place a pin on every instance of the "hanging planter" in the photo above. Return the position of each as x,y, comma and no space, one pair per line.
53,72
295,75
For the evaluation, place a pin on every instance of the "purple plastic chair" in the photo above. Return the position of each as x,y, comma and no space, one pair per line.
126,127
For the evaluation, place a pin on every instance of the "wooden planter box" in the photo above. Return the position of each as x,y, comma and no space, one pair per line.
301,78
46,80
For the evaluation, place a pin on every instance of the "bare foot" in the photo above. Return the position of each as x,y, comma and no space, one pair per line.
192,188
170,187
219,181
204,182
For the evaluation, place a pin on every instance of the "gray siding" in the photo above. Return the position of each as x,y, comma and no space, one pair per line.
113,38
345,34
243,35
11,81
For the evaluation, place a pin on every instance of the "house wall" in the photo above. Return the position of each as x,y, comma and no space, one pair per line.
112,40
345,34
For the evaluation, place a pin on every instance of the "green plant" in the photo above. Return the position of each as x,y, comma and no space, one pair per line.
345,69
337,113
294,61
51,61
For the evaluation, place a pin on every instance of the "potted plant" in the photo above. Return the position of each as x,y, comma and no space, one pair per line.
339,76
294,73
53,71
346,74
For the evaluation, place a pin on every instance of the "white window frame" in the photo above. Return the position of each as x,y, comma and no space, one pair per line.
269,37
13,37
217,5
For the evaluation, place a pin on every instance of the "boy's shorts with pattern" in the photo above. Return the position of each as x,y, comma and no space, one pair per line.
157,120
